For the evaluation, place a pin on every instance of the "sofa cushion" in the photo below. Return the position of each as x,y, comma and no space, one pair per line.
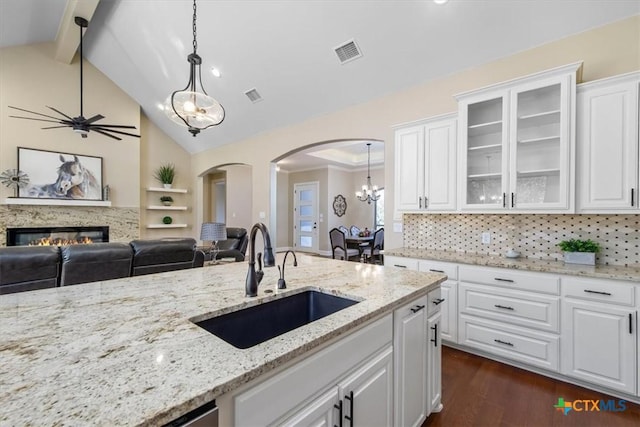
26,268
97,261
158,255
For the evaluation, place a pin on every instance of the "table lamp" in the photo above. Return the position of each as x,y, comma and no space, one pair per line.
214,231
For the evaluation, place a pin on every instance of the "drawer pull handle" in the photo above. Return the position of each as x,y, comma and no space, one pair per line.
503,280
630,323
503,306
504,200
436,271
434,328
339,408
504,342
417,308
597,292
398,265
438,301
350,399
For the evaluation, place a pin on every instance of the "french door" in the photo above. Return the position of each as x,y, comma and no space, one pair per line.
305,225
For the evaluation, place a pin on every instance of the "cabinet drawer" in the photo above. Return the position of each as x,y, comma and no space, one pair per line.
401,262
530,347
514,307
534,282
451,270
434,301
608,291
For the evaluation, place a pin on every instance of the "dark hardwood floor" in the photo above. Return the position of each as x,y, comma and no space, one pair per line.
480,392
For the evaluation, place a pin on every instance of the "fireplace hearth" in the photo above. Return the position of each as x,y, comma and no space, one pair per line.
60,236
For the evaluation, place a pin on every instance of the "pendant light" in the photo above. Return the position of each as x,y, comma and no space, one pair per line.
196,110
369,192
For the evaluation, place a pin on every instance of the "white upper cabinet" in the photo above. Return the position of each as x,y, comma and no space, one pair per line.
425,165
517,144
607,145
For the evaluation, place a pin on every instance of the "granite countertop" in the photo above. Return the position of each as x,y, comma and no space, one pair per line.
124,352
545,266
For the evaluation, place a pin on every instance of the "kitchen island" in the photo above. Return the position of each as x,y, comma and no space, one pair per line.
126,351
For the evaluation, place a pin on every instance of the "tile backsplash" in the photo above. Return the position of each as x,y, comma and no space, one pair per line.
534,236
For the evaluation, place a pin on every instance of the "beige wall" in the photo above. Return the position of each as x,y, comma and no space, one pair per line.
362,213
238,196
156,148
31,78
606,51
284,207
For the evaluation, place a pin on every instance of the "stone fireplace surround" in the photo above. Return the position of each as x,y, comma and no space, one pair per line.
123,223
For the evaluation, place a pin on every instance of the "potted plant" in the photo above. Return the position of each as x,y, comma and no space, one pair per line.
165,174
166,200
579,251
167,220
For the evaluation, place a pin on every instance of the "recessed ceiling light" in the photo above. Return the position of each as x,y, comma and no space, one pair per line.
160,106
215,72
440,1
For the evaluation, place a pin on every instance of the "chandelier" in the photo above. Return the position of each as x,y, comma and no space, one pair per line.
196,110
369,192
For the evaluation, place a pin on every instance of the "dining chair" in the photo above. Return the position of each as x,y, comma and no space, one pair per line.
344,229
339,246
355,230
375,248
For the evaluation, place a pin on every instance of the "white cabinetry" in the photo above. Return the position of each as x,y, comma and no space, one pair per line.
599,332
410,342
607,145
425,166
448,290
509,314
517,144
434,352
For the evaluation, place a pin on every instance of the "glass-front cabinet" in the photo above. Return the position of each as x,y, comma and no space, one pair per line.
517,147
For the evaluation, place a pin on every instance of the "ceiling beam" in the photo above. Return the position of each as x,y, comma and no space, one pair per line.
67,40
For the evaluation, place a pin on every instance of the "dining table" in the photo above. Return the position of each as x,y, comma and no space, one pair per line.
359,242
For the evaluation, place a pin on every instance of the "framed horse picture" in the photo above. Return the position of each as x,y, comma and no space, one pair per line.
56,175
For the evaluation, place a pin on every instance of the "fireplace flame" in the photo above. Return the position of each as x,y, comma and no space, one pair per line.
48,241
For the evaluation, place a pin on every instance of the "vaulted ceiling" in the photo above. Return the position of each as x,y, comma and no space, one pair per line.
285,48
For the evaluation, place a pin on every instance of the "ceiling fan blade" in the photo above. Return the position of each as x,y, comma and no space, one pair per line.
105,134
55,127
42,120
33,112
94,119
117,126
60,112
100,128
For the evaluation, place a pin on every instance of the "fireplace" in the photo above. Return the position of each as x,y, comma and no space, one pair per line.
34,236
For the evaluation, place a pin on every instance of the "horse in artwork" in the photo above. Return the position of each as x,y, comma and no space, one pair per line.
74,182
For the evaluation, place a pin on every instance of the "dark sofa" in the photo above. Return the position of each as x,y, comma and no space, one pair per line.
26,268
234,247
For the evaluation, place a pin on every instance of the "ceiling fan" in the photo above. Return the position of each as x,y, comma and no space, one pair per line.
80,124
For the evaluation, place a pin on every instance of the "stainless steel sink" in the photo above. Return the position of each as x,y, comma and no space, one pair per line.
257,324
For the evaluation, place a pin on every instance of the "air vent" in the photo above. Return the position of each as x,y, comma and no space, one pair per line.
348,51
253,95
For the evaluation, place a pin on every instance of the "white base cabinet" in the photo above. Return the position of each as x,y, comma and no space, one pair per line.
599,333
434,352
410,341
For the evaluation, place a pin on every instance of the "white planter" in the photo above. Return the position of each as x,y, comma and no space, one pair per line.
587,258
166,185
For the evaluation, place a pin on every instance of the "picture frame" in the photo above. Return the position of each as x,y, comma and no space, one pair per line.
60,175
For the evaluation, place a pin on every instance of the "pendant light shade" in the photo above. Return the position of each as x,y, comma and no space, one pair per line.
192,106
369,192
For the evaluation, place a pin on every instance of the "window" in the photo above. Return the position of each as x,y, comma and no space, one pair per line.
378,210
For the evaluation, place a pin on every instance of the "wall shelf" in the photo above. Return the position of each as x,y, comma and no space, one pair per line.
55,202
167,190
167,226
167,208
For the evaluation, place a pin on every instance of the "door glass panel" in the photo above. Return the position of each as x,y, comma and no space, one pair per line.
306,241
538,145
306,210
306,195
306,226
484,152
